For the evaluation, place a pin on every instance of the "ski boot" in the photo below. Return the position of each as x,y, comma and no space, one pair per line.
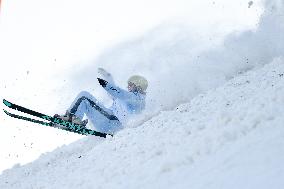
70,118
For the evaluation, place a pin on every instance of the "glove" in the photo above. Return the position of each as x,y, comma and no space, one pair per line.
103,74
102,82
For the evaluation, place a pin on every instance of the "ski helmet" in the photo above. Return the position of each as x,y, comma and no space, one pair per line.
139,81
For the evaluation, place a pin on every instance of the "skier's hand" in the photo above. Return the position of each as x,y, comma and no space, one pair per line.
103,72
102,82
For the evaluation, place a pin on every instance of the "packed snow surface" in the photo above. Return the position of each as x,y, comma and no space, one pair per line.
229,137
184,49
217,124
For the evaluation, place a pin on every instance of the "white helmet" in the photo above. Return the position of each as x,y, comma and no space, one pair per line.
139,81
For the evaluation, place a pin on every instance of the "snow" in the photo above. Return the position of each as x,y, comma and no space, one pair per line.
230,137
47,45
217,125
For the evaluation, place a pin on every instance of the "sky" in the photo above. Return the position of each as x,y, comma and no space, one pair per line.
50,50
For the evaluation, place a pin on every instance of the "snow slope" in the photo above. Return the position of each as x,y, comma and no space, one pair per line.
46,45
229,137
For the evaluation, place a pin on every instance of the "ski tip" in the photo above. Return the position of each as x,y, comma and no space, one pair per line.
7,103
6,112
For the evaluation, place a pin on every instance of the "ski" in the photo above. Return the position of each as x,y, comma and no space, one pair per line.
52,120
37,121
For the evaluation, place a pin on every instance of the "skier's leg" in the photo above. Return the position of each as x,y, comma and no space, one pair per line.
85,101
80,104
103,123
101,117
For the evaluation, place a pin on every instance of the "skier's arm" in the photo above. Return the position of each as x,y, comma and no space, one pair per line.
113,90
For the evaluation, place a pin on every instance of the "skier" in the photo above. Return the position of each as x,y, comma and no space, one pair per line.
109,120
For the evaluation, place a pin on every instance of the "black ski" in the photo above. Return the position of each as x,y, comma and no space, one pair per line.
37,121
68,126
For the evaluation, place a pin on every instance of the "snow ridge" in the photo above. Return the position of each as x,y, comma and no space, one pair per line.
230,137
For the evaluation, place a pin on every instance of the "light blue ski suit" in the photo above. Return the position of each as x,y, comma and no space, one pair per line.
108,120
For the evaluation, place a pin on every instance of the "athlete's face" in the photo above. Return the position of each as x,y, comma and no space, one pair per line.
131,87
